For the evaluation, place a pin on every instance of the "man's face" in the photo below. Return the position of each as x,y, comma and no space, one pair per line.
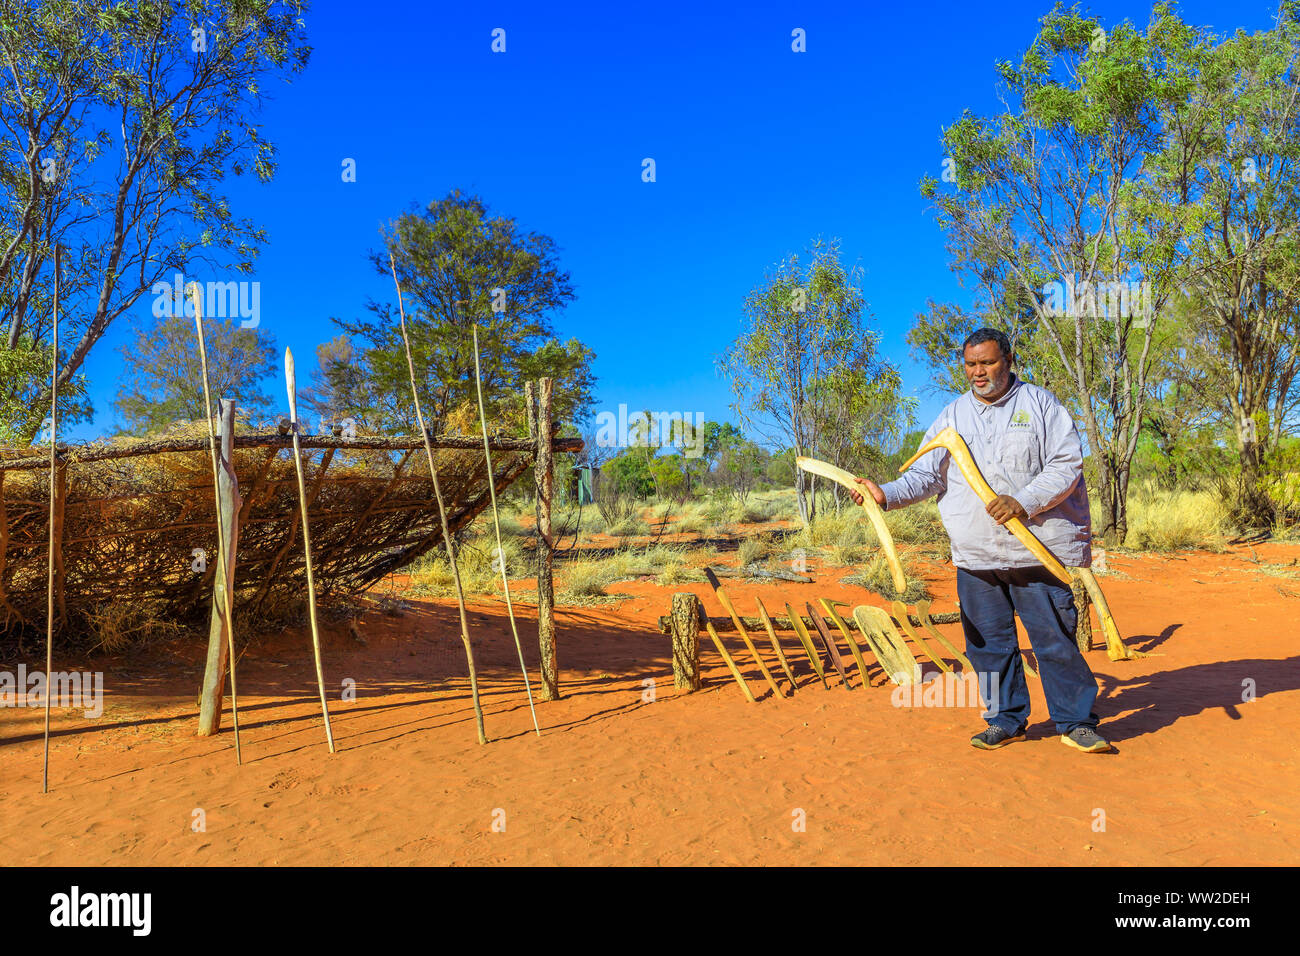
987,370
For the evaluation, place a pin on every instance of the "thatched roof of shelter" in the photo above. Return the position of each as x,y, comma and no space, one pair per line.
135,511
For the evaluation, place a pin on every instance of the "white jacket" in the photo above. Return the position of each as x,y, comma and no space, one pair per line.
1026,446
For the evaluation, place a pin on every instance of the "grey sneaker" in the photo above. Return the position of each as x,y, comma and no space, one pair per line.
995,737
1086,739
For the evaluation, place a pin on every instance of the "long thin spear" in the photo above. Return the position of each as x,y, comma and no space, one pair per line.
227,560
292,383
49,609
496,521
442,511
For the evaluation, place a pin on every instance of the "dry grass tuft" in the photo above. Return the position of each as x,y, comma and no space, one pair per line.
1161,520
875,576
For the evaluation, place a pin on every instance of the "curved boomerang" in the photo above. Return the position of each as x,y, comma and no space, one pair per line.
842,477
956,446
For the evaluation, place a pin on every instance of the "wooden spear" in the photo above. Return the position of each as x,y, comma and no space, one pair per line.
49,610
227,560
442,512
496,521
292,383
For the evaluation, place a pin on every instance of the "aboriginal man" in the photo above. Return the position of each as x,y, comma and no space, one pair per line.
1025,444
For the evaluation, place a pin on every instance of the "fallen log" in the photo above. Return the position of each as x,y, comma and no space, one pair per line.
757,571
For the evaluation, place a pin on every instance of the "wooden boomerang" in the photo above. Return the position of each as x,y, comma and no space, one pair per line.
923,612
731,664
801,632
900,613
956,446
1116,649
829,605
727,606
776,645
842,477
828,642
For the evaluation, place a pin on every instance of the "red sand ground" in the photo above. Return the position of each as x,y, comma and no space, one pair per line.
1199,778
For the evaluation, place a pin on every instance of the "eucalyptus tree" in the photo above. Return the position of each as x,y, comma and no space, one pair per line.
1046,218
803,328
461,265
118,125
1231,171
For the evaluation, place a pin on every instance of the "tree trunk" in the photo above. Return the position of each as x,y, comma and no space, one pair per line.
227,499
1107,492
686,641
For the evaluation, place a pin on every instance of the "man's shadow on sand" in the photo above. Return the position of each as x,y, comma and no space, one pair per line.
1158,700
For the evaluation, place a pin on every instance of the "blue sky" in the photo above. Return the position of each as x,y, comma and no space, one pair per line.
758,150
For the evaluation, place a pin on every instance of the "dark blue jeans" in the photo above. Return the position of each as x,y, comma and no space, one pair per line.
989,602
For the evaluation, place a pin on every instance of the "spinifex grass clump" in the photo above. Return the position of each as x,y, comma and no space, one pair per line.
479,568
875,576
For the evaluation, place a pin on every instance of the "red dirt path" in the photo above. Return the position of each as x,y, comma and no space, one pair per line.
1199,778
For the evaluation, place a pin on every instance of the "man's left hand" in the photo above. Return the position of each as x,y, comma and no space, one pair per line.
1003,508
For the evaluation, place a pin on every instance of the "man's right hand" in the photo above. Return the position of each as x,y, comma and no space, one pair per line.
871,487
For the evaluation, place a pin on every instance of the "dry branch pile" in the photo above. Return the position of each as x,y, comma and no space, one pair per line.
132,515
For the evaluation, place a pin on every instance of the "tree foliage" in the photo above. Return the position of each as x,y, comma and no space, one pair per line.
118,125
803,336
162,378
459,266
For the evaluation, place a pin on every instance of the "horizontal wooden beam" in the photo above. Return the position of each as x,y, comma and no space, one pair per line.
783,623
134,449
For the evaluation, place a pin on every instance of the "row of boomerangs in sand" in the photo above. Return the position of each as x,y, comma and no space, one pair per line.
874,623
226,608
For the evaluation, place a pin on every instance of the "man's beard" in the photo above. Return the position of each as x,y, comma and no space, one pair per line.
994,386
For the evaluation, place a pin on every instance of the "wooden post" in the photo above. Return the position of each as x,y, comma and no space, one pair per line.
686,641
1083,629
214,674
545,482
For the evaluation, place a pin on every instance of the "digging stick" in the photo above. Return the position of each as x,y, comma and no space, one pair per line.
725,600
227,560
292,385
496,523
731,664
801,632
442,512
